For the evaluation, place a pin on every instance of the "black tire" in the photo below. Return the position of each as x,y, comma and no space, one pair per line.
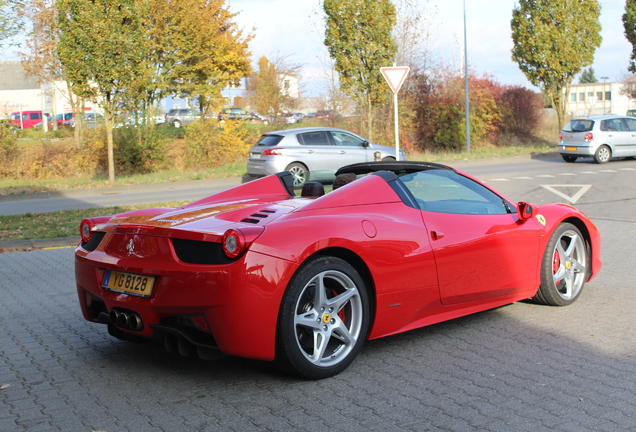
388,159
564,268
603,154
569,158
319,336
176,124
299,172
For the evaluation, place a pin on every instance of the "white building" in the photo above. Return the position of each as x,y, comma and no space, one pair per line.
21,92
598,98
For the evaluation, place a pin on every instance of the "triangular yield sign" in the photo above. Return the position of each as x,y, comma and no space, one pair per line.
572,199
395,76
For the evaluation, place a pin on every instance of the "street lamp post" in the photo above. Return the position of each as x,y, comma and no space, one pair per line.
466,84
604,94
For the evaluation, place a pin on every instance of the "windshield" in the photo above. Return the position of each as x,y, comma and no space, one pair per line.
579,126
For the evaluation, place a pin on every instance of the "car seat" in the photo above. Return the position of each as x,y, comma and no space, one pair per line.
312,189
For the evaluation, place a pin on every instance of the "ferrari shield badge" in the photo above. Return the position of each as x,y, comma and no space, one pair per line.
541,219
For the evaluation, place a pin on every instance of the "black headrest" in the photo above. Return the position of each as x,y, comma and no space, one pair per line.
313,189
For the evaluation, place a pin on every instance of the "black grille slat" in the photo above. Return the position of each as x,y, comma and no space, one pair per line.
200,252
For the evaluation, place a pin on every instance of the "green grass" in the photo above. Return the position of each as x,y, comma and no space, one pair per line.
61,223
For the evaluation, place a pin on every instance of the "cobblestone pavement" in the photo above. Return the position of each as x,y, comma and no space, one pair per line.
521,367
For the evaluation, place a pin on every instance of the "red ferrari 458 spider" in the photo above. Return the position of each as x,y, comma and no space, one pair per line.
258,272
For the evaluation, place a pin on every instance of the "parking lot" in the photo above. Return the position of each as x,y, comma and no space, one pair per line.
521,367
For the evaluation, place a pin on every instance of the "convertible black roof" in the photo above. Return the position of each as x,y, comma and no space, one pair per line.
397,167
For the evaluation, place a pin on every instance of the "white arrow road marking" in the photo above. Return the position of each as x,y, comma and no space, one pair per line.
574,198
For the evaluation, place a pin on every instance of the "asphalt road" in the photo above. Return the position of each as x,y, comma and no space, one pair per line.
520,367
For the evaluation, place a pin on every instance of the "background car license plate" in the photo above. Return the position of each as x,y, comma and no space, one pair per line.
570,148
134,284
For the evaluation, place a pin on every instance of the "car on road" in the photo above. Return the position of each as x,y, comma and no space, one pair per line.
181,116
91,120
241,114
294,117
25,119
601,137
259,272
313,153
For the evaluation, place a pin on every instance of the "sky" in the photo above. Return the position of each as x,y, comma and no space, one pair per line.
293,28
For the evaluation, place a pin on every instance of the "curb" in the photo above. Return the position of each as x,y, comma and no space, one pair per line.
32,244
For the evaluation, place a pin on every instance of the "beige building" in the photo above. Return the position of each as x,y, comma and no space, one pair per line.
598,98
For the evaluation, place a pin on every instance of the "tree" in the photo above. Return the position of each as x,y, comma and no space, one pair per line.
266,88
195,51
358,35
412,32
629,24
10,22
102,44
553,40
39,58
588,76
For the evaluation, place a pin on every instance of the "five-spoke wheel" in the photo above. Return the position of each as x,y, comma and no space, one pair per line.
299,173
564,268
324,319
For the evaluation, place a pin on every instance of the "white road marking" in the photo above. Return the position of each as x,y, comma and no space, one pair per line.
572,199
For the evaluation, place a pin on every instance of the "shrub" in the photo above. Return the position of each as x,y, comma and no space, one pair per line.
8,149
521,111
210,143
435,106
138,149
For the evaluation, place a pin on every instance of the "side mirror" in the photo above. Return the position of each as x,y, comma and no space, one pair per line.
525,210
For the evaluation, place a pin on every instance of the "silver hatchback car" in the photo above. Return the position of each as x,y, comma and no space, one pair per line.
601,137
312,153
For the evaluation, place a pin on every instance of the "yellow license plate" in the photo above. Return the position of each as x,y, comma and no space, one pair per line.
128,283
571,148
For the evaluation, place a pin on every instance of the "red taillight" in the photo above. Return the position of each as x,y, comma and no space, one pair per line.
589,136
86,229
233,243
200,322
561,135
273,152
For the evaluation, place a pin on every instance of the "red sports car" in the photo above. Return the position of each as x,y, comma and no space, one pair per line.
258,272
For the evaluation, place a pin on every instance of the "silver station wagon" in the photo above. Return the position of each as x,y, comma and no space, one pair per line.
601,137
313,153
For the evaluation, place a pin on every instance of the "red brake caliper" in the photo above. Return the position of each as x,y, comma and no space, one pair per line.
556,262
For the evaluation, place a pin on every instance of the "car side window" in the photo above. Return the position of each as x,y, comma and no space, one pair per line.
631,123
442,191
614,125
314,138
345,139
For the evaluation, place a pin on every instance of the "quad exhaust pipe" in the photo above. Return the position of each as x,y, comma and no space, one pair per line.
126,320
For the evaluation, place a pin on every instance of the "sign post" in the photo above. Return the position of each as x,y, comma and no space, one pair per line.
395,77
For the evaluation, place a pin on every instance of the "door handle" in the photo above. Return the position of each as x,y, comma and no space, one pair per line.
310,151
436,235
342,152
